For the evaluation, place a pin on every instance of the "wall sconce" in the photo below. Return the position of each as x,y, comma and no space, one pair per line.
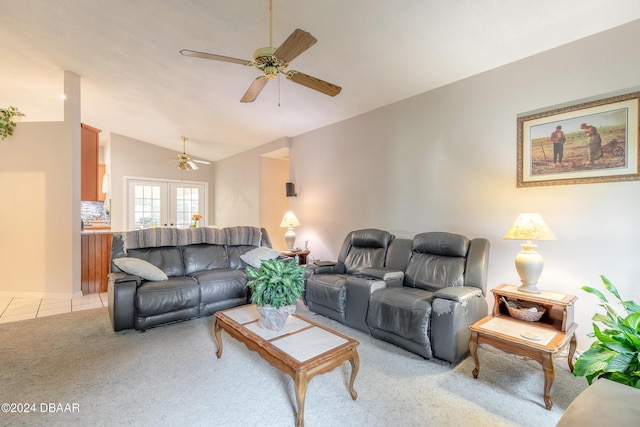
291,189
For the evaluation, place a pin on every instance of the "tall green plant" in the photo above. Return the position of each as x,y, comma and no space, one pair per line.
614,355
6,120
275,283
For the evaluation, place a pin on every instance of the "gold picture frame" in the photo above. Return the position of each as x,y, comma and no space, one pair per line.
597,142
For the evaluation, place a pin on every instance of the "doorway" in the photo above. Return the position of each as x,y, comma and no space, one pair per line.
159,203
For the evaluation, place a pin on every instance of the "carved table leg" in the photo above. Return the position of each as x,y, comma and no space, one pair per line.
355,366
572,350
217,331
301,383
473,349
549,369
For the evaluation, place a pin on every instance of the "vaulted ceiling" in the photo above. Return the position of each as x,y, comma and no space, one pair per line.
135,82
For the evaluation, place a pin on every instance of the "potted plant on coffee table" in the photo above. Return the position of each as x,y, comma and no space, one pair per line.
274,288
615,353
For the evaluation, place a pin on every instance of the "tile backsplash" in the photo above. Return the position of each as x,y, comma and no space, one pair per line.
93,211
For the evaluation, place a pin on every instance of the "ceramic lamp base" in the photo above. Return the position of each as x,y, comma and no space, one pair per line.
529,264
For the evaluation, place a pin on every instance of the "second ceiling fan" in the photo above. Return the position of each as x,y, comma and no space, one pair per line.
273,61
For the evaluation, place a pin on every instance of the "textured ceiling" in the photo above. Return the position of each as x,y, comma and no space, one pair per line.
135,83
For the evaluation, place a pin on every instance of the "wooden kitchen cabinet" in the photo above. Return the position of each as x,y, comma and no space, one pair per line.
89,152
96,259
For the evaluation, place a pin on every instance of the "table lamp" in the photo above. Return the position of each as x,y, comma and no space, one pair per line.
289,221
529,263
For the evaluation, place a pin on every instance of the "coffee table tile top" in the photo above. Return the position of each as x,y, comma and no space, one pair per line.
515,330
243,314
293,324
308,343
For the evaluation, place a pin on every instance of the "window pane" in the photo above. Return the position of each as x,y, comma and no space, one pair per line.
147,205
186,205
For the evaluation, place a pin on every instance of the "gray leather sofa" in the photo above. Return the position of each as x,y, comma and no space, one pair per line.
204,273
421,294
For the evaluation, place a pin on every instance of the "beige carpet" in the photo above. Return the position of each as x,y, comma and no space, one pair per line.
170,376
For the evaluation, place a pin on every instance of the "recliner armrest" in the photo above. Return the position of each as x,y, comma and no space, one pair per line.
455,308
337,268
124,277
121,294
457,293
383,273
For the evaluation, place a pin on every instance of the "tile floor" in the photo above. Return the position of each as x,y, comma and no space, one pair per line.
20,308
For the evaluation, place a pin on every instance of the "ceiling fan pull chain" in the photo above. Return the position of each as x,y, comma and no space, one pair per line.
279,84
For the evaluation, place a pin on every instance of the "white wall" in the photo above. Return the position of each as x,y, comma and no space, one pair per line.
237,186
446,160
274,174
134,158
40,209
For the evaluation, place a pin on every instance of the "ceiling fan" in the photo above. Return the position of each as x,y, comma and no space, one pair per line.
274,61
185,161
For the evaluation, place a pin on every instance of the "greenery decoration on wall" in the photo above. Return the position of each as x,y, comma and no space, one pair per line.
614,355
7,121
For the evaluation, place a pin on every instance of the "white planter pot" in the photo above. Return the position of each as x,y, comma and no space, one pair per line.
274,318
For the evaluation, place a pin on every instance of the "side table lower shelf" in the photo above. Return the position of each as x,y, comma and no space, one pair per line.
506,334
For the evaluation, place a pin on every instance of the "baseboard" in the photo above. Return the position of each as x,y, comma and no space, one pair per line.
41,295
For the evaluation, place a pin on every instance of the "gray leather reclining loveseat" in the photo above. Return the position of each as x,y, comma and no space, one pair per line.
201,268
421,294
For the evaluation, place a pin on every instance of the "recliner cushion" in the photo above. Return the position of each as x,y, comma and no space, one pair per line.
370,238
433,272
204,257
360,258
176,293
167,258
220,285
327,290
438,261
404,312
441,243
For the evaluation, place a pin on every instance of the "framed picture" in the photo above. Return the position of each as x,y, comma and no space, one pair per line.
596,141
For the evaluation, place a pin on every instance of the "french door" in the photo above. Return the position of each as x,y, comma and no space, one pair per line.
152,203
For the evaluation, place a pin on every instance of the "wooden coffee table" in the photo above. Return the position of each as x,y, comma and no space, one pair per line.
303,349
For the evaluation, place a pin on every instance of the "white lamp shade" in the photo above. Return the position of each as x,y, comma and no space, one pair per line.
529,226
289,220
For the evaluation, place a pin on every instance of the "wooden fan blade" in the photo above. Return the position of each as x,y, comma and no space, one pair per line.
204,55
294,45
254,90
204,162
313,83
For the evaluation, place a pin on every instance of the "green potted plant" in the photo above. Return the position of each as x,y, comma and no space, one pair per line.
7,121
614,354
274,288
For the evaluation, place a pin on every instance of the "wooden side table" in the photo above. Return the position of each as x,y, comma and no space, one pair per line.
539,341
302,255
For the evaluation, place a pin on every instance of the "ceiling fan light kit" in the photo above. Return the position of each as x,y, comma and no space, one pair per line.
273,61
185,161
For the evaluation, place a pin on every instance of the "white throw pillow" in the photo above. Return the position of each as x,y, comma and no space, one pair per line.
140,267
255,256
